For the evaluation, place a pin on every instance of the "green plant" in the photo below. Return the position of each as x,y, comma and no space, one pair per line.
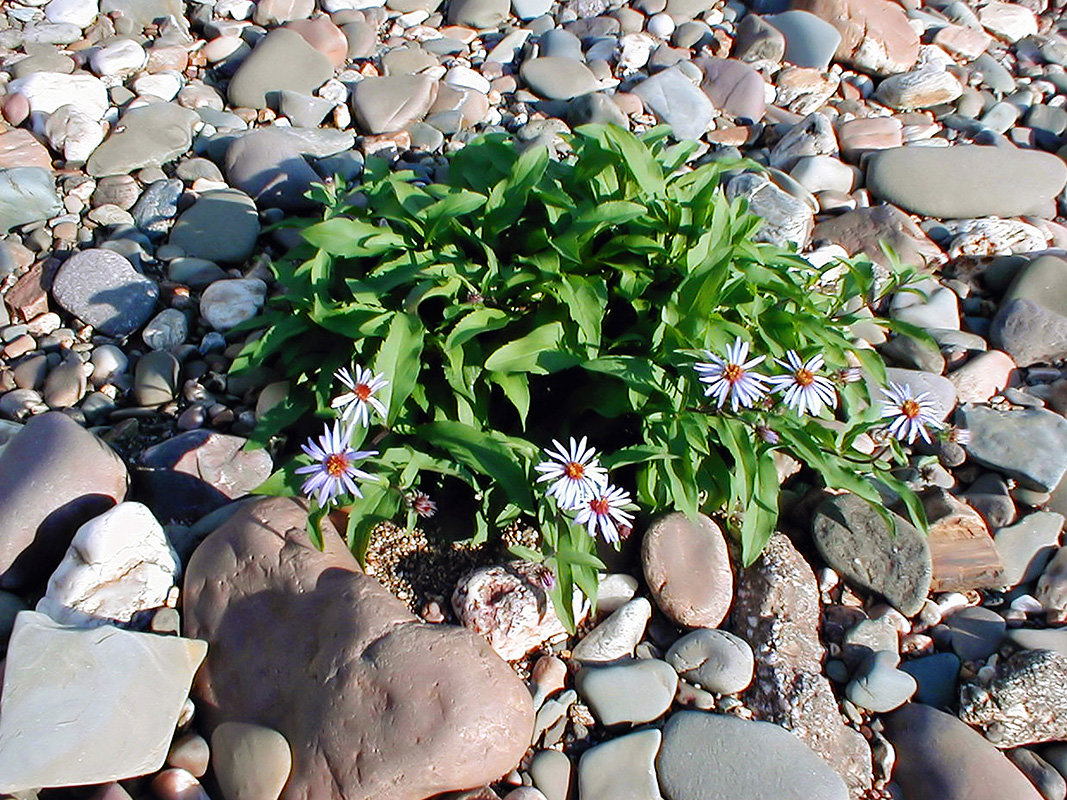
524,300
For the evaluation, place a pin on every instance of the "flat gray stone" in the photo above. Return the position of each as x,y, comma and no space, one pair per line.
267,166
478,13
221,226
27,194
392,103
678,102
787,220
1029,444
102,288
282,59
976,632
1029,332
148,136
1040,639
941,758
740,758
879,686
966,181
714,660
809,41
622,768
733,87
90,679
635,692
558,78
1026,547
858,542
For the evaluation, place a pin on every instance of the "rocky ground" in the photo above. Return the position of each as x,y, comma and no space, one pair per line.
184,645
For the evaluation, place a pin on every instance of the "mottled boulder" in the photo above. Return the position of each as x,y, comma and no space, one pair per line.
373,702
1024,703
56,475
776,610
940,758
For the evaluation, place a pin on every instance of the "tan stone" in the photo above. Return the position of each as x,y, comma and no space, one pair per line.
687,569
983,376
961,548
962,42
859,136
18,148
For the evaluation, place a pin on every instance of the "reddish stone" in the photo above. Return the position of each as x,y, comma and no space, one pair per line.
19,148
324,36
875,34
28,298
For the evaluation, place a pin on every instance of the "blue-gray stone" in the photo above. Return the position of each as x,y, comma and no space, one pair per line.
266,165
147,136
714,660
27,194
706,756
879,686
1029,445
559,43
936,676
632,691
809,40
102,288
1026,547
156,208
976,632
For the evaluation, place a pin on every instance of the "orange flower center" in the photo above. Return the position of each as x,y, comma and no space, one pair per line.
733,373
910,409
599,505
804,377
362,391
336,464
574,470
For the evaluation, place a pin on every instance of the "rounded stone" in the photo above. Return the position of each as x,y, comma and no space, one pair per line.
221,226
879,686
191,753
687,569
155,378
169,328
976,632
251,762
102,288
634,692
713,659
229,302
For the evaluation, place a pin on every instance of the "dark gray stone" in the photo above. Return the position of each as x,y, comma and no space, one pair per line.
282,59
976,632
156,208
103,289
936,677
859,543
267,165
221,226
1026,547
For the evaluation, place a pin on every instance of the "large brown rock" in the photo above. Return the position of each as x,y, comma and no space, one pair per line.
54,476
940,758
776,610
875,34
373,702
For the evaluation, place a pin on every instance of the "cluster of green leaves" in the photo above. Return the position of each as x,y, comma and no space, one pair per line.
525,299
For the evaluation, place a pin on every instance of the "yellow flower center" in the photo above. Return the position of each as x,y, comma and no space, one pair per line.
910,409
599,505
336,464
804,377
362,391
733,373
574,470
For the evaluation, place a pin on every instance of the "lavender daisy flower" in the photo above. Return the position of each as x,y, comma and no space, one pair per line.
803,390
575,473
603,513
334,471
912,415
356,402
731,377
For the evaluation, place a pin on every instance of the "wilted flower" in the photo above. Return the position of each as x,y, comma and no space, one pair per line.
961,436
361,385
769,435
576,473
422,505
911,414
804,391
731,378
849,375
334,471
603,512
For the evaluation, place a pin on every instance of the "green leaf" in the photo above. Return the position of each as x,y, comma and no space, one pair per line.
314,525
399,360
516,388
487,454
585,299
526,354
341,236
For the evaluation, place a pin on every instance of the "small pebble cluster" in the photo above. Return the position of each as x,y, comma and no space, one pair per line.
196,646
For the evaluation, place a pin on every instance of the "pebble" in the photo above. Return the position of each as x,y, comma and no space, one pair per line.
714,660
935,677
226,303
634,692
617,636
621,767
879,686
250,762
976,633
